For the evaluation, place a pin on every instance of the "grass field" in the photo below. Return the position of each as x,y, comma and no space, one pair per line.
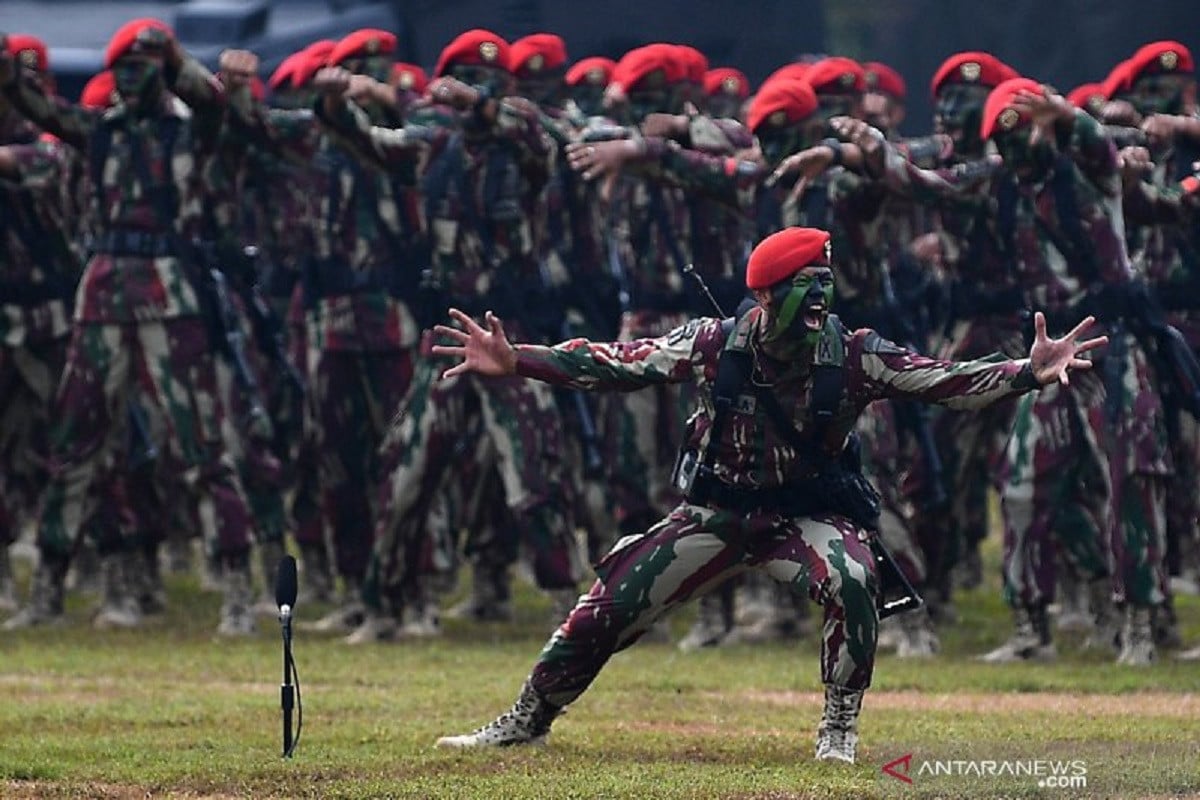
169,712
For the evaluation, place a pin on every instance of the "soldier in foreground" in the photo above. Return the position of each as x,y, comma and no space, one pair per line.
768,470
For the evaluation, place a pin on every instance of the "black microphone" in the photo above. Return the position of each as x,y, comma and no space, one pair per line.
285,587
285,598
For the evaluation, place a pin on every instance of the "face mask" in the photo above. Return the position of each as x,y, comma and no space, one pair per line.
800,306
1158,94
957,112
138,81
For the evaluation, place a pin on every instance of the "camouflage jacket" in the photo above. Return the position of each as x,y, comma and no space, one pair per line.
136,193
39,266
1160,224
572,225
837,201
752,454
1057,238
480,185
366,232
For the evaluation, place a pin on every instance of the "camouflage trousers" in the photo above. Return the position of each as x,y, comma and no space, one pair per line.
248,432
354,396
1084,478
167,368
29,375
642,433
691,552
422,447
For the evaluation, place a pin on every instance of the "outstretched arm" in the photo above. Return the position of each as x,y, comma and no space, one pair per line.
577,363
893,372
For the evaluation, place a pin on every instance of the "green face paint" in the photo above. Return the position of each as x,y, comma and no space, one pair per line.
1030,162
139,81
799,306
1158,94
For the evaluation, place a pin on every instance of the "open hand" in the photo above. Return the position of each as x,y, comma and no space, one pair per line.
1053,359
487,352
594,159
807,164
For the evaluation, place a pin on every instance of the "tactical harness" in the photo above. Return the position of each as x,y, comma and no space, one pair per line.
837,486
834,485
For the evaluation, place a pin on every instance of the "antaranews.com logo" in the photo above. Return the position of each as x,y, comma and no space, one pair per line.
1046,773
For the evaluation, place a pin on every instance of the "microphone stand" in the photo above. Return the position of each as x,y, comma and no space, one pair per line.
287,696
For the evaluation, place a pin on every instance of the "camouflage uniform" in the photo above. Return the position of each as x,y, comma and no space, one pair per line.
848,205
1160,227
479,183
1086,464
361,334
137,317
696,547
38,272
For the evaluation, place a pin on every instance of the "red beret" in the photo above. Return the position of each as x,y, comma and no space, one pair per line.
283,73
781,101
980,69
885,80
132,37
694,63
635,65
29,50
1088,96
538,52
998,110
1160,58
475,47
286,69
312,59
726,80
409,77
836,74
783,254
1118,80
362,42
788,72
594,70
100,91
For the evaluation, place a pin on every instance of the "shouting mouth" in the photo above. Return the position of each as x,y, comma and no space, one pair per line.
814,316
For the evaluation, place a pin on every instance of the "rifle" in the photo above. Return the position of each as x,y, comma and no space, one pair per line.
225,331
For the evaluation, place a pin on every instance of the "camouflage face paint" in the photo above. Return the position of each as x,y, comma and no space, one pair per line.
838,105
1158,94
489,79
799,306
957,112
139,80
1029,161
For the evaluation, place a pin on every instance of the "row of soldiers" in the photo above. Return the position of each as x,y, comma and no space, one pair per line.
217,310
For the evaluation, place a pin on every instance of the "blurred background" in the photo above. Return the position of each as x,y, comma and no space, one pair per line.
1064,42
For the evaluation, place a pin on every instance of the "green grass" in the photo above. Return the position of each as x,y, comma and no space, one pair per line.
169,711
